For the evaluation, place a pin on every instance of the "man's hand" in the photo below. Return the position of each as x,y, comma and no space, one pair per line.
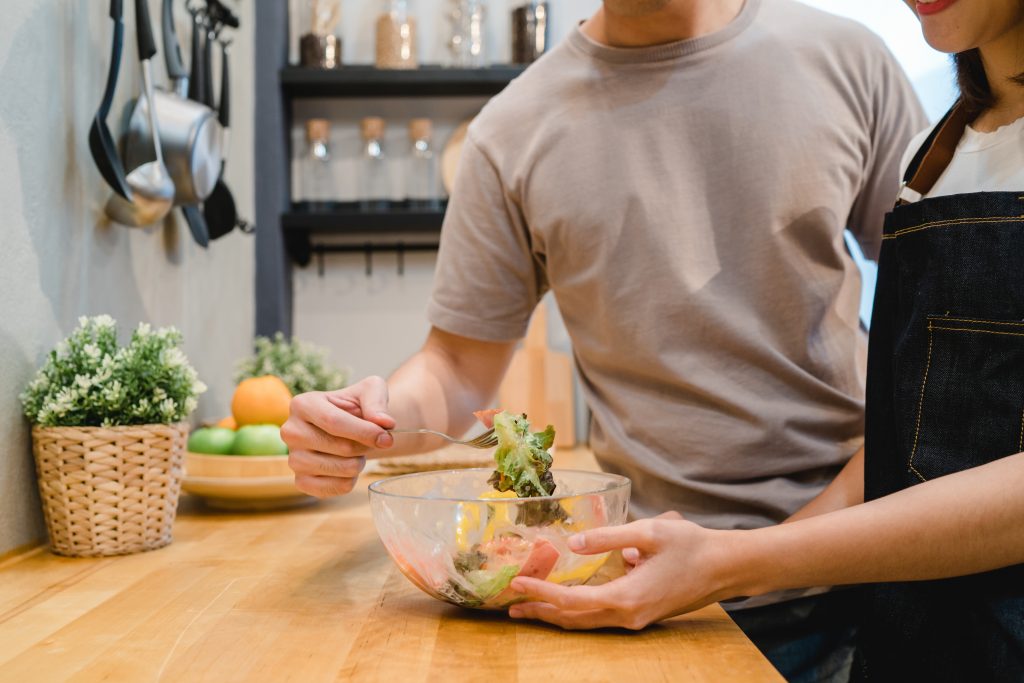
656,588
329,433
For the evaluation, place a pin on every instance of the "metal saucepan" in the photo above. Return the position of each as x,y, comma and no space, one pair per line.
191,136
152,189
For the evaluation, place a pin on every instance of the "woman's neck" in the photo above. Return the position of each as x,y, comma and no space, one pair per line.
1003,59
678,20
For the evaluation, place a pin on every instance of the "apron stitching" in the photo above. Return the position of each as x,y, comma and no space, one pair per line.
970,329
955,221
974,320
952,221
920,406
1020,444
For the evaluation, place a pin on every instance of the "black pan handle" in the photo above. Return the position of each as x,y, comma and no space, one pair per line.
225,88
144,29
172,48
207,91
195,82
115,58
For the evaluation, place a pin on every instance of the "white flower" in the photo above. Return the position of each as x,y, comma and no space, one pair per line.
174,358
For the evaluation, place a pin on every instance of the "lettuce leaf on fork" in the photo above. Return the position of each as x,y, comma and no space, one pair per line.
523,461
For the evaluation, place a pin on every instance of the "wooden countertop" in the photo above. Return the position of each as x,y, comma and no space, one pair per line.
310,595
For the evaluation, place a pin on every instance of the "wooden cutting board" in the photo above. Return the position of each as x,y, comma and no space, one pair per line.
539,383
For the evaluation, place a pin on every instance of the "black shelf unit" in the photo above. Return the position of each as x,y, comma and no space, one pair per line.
350,219
284,234
368,81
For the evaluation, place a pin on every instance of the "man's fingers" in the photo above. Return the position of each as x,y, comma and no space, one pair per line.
341,423
325,465
671,514
304,436
323,487
374,402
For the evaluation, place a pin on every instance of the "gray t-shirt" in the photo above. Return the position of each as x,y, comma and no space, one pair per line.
686,204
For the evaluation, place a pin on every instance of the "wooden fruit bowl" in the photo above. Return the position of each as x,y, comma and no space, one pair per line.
242,482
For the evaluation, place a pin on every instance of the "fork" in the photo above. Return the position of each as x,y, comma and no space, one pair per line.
487,439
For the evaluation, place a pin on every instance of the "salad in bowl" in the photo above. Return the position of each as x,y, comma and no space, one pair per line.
463,535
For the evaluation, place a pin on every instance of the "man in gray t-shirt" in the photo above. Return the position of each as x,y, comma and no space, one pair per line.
685,201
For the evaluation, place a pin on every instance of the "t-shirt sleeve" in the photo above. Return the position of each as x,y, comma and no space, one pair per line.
488,278
897,116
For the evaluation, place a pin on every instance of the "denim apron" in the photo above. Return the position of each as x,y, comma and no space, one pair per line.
945,392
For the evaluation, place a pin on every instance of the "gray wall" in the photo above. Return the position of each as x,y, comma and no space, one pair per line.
61,258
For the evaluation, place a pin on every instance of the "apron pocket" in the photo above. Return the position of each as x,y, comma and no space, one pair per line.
971,402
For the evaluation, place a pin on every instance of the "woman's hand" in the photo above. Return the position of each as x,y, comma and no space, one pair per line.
679,568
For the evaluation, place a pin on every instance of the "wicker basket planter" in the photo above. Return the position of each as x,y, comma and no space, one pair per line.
109,490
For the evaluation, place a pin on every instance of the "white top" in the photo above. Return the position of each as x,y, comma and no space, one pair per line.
983,162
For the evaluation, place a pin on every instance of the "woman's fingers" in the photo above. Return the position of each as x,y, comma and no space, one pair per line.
576,598
641,535
569,620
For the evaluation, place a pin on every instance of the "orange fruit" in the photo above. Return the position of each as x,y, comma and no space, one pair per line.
227,422
261,400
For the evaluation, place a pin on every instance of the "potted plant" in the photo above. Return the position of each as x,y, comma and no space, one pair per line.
109,436
302,367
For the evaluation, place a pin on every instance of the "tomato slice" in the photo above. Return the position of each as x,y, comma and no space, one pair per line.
486,417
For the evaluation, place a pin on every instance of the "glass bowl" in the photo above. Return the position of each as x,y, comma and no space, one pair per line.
461,541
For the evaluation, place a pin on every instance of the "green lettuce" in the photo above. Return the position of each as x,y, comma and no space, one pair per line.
523,461
486,584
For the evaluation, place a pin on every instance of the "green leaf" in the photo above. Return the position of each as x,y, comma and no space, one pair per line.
488,583
522,458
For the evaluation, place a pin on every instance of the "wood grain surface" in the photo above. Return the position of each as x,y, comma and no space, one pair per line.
311,595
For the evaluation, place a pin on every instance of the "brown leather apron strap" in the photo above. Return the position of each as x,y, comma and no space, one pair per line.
934,155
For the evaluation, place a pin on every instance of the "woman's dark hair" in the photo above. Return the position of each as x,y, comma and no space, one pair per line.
974,88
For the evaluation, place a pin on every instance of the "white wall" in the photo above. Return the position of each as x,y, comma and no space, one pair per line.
61,258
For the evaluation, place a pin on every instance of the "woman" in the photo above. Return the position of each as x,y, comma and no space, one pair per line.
931,512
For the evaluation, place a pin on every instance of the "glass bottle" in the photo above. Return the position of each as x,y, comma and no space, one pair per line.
374,187
466,34
396,37
422,180
319,188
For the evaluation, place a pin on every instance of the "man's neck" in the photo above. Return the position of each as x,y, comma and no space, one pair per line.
1002,61
679,20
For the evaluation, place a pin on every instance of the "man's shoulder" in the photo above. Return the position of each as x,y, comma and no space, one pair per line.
533,97
828,48
811,24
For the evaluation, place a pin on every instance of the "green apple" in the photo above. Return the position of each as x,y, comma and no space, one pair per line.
259,440
212,441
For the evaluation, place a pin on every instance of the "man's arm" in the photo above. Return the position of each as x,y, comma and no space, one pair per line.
330,434
441,386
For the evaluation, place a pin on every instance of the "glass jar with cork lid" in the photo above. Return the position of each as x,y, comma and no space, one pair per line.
396,37
421,182
375,188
